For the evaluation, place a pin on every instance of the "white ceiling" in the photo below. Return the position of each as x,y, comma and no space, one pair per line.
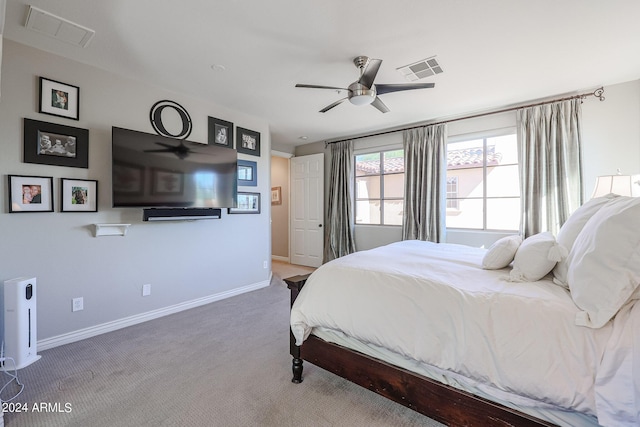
494,53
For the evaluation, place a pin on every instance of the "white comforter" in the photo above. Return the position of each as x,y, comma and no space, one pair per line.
435,304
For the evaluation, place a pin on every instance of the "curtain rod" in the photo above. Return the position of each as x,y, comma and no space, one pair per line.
598,93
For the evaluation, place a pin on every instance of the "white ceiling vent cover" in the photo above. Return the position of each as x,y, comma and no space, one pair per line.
421,69
58,28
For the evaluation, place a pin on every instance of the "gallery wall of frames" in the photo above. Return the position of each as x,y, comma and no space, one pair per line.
68,146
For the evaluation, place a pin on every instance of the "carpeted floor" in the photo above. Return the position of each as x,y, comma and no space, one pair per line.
223,364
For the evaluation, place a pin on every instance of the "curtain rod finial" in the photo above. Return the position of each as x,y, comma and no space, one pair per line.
599,93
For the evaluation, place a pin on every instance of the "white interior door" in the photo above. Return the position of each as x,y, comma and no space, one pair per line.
307,210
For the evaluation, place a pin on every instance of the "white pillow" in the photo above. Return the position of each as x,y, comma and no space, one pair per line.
604,264
501,253
571,228
536,257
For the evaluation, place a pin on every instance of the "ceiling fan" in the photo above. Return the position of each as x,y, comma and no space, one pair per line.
363,91
181,150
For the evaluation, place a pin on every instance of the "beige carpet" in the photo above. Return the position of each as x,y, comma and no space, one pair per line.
223,364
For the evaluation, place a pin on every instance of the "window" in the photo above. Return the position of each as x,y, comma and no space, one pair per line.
380,188
483,190
452,193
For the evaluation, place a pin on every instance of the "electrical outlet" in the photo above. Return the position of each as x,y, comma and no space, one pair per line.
264,264
146,290
77,304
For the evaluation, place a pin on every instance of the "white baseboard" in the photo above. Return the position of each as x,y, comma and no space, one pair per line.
92,331
280,258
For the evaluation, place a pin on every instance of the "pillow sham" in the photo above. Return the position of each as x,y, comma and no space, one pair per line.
604,263
501,253
536,257
571,229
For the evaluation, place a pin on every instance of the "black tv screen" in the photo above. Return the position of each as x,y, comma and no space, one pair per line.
155,171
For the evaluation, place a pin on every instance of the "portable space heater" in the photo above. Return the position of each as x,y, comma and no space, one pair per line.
20,320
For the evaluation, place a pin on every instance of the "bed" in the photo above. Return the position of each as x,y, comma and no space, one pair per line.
432,327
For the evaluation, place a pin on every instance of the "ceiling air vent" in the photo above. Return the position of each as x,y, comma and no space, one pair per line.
421,69
58,28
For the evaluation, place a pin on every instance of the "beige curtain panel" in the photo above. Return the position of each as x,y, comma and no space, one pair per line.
550,151
425,154
339,233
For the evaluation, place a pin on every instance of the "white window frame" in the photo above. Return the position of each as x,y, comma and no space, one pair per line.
380,151
484,135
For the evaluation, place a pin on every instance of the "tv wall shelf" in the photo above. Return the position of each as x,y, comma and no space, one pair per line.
111,229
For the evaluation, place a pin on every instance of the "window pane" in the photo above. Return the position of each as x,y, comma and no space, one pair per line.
465,154
469,181
503,214
468,215
368,164
394,186
503,181
506,148
393,212
371,196
368,187
368,212
394,161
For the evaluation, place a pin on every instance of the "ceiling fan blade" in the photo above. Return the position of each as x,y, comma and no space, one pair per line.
329,107
321,87
380,105
160,150
382,89
369,75
166,145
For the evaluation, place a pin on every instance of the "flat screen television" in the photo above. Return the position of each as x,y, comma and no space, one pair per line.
152,171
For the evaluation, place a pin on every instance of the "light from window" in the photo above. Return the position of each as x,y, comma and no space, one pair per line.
380,188
483,190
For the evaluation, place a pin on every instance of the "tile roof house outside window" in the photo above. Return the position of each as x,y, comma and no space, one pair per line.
482,185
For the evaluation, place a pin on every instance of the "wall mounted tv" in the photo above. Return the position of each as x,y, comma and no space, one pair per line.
152,171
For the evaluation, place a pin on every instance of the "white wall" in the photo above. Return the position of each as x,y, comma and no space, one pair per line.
183,261
611,140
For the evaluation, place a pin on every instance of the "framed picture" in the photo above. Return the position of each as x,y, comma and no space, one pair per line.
247,173
248,141
59,99
220,132
53,144
166,182
127,178
30,194
248,203
276,195
78,195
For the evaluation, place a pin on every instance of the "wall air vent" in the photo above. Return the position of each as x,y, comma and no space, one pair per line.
58,28
421,69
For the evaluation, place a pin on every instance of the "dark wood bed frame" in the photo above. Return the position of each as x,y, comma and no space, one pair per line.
438,401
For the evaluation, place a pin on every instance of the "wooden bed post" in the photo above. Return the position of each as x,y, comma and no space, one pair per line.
295,283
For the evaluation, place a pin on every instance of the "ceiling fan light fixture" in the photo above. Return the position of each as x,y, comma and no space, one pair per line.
361,95
362,99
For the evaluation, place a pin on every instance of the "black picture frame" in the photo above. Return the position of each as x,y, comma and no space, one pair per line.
248,203
19,202
59,99
247,173
53,144
248,141
78,195
220,132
